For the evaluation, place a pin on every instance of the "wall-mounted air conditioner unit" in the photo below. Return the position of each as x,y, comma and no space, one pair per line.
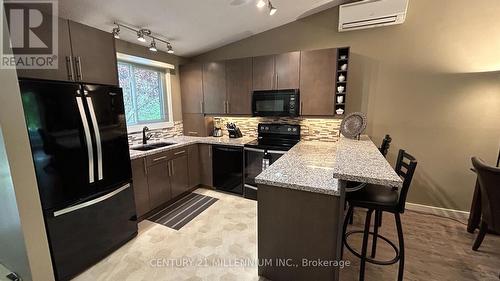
371,13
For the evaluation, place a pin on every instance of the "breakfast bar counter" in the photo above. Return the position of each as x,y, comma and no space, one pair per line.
301,200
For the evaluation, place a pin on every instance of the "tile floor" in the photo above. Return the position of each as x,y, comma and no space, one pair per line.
225,233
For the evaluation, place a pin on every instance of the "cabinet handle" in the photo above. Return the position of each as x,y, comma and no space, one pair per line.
159,158
78,64
193,133
227,111
277,84
168,168
209,151
172,168
301,107
201,107
69,67
180,152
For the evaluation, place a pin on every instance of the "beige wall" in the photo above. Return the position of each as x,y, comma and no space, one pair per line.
433,83
23,180
142,51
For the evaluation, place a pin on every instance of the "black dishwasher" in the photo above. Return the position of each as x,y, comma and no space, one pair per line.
227,165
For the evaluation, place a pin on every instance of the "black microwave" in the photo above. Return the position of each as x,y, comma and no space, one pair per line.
283,103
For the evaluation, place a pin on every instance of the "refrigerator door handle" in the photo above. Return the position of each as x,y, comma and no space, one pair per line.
88,139
97,136
91,202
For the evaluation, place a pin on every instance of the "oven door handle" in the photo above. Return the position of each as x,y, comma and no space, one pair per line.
251,186
276,152
254,149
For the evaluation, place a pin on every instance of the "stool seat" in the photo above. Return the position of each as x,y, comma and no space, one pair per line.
373,196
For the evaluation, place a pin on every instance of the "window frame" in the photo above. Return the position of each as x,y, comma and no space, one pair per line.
166,85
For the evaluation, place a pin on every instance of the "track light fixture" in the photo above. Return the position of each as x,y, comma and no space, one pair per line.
142,35
261,3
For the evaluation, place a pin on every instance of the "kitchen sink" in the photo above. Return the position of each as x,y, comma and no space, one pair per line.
147,147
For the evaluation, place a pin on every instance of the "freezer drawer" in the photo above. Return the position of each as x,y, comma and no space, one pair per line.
82,235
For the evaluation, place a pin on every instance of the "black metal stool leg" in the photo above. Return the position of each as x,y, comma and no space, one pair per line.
365,245
346,220
380,219
375,231
401,247
351,217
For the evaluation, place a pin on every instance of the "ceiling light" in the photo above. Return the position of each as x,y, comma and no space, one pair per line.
152,47
116,32
170,50
140,36
261,3
272,9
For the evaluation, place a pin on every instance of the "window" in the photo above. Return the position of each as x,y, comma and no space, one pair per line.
146,94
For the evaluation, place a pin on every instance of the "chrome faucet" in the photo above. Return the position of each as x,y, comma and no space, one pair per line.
145,138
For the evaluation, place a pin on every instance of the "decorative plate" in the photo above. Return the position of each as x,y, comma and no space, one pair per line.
353,125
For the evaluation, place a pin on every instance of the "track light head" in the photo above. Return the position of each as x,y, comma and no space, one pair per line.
170,50
272,9
261,4
116,32
152,47
140,36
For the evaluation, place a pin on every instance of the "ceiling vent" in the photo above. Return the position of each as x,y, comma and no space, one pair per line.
371,13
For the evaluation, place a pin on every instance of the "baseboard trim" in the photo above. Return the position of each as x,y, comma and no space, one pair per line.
442,212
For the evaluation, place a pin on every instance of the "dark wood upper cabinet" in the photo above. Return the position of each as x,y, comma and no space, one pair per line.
191,88
197,125
214,88
264,77
94,53
276,71
287,70
317,82
65,70
140,184
239,86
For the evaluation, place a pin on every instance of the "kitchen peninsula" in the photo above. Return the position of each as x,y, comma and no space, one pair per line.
301,204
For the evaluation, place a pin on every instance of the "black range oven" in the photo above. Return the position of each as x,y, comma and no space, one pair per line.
276,103
274,140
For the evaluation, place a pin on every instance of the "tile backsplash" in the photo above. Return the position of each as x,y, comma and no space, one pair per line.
311,128
175,131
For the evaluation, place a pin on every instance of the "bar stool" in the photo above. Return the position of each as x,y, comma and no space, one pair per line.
353,186
379,199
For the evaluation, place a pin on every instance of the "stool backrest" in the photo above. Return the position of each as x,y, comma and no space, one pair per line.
386,143
405,168
489,182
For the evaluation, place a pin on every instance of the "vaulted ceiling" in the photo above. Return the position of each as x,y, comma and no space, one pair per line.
192,26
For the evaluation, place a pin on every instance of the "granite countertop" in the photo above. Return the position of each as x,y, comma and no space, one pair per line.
308,166
361,161
186,140
318,166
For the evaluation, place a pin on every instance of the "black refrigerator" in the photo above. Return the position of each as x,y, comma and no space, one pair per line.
79,143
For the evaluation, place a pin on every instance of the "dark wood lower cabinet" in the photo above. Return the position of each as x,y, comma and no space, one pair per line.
206,165
141,188
179,178
161,177
159,184
194,165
